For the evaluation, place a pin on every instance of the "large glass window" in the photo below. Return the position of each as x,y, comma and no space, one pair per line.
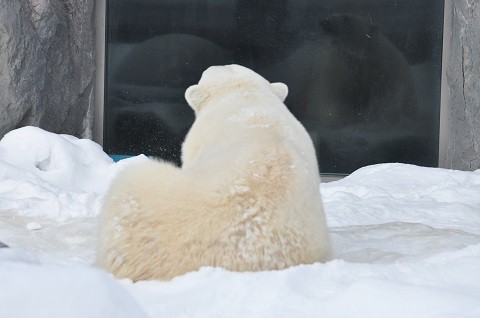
364,75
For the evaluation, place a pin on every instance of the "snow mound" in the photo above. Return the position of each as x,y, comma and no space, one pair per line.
445,285
394,192
56,176
30,290
14,255
62,161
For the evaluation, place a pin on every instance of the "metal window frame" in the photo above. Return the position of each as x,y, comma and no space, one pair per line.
100,21
100,43
445,93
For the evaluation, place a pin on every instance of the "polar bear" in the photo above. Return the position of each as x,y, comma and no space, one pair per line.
246,197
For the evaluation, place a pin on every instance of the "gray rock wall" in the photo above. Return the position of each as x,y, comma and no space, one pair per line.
47,65
463,76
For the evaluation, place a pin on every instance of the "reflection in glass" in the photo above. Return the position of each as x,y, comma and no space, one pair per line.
364,76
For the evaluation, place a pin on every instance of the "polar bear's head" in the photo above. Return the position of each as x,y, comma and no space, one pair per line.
222,79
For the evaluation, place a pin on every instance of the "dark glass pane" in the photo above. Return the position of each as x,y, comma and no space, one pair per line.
364,75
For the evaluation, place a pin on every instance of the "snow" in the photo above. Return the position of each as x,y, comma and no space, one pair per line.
32,290
32,226
56,176
406,243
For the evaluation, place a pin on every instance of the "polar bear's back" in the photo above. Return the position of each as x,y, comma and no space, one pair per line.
246,197
254,212
275,215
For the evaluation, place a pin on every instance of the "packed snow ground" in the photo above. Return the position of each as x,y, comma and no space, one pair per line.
406,241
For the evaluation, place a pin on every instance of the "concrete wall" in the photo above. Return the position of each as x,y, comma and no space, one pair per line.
463,83
47,65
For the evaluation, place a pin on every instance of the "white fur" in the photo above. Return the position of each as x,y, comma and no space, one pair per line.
246,197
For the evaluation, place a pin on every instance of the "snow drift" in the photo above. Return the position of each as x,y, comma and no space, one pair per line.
32,290
57,176
406,241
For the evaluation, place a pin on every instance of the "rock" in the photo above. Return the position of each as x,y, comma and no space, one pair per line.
463,75
47,65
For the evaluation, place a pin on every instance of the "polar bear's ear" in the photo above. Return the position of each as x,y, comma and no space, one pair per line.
196,97
280,89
